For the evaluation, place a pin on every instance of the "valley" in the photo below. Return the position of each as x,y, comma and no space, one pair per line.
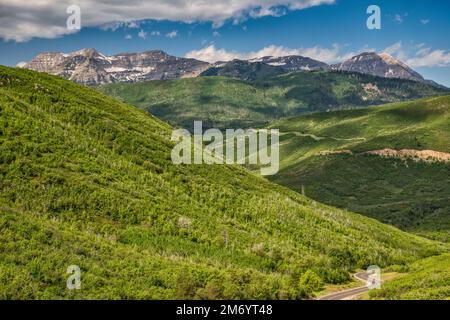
223,102
395,169
88,180
389,162
200,158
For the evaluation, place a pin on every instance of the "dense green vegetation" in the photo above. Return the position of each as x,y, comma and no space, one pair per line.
427,279
218,102
227,103
244,70
414,195
87,180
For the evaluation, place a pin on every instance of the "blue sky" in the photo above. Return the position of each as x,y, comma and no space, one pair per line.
412,30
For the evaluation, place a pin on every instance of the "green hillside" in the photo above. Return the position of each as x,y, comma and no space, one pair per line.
325,154
227,103
87,180
244,70
427,279
217,101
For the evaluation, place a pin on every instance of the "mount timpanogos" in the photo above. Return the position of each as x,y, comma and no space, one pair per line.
88,66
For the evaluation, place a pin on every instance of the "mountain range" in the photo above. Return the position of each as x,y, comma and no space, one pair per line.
88,66
253,69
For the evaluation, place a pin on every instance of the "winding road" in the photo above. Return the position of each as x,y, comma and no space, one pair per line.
349,293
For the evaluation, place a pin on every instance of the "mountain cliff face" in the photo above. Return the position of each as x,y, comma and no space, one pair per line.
381,65
88,66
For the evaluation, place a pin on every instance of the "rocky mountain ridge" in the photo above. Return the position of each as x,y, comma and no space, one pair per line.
90,67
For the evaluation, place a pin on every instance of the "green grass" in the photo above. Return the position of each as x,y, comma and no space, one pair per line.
222,102
409,194
427,279
87,180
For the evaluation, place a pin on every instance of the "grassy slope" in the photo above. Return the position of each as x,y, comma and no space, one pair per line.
224,102
218,102
412,195
427,279
87,180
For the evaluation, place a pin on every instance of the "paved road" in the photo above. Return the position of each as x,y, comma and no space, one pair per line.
346,294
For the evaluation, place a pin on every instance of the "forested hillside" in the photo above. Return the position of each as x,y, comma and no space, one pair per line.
223,102
87,180
390,162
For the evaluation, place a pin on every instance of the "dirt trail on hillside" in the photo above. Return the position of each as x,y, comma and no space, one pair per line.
417,155
318,138
333,152
429,156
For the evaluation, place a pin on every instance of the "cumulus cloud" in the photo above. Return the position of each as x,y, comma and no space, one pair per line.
421,56
400,17
142,34
212,54
21,20
172,34
133,25
396,50
426,57
329,55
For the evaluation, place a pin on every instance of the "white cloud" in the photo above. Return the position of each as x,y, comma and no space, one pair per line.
156,33
21,20
172,34
396,50
216,34
424,21
211,54
132,25
399,18
421,57
427,57
142,34
113,26
329,55
128,37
